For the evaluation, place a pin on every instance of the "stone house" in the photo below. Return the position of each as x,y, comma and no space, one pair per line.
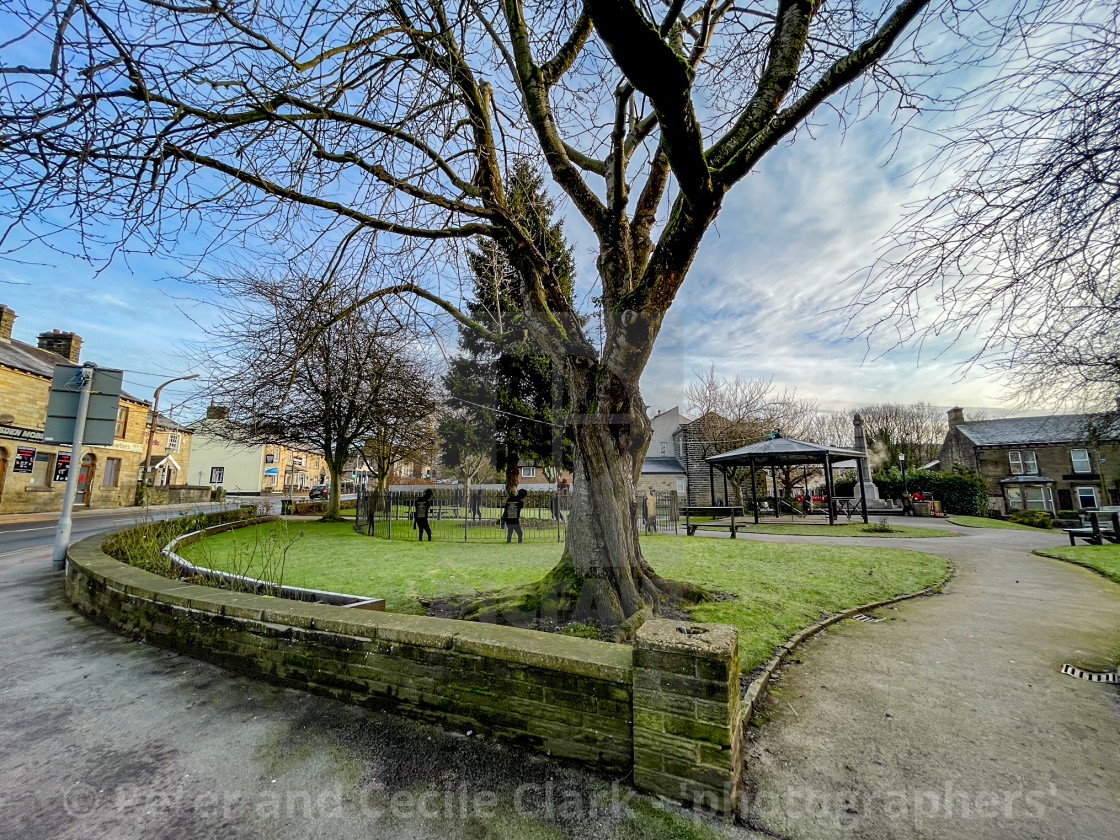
32,473
169,464
251,469
1049,463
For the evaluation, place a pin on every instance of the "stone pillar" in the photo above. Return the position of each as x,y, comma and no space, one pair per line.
688,739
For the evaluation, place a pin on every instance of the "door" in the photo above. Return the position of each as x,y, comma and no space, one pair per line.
85,479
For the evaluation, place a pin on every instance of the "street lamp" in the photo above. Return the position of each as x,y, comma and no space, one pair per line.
902,466
152,426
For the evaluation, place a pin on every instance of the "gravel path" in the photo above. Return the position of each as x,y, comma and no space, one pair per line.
950,718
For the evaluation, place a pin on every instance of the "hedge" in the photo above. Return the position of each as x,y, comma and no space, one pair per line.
964,493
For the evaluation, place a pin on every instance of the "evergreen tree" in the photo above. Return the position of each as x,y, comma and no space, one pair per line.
503,396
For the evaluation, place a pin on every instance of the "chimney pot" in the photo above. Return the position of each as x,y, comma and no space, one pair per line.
956,416
65,344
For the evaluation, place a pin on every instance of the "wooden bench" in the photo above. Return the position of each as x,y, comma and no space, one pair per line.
1096,533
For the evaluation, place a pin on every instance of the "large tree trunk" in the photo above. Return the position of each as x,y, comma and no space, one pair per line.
334,498
603,570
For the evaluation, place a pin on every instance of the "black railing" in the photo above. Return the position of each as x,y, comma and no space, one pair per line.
461,515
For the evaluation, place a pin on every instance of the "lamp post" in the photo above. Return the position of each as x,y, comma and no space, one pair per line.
152,430
902,466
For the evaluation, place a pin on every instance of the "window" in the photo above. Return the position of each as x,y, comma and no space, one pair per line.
173,441
111,475
1080,459
528,472
1031,498
1086,497
664,449
1023,462
122,422
217,475
680,485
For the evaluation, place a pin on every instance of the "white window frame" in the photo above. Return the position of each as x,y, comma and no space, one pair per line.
1088,460
1018,460
528,472
173,441
1077,491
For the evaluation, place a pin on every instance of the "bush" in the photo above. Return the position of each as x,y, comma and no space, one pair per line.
1068,514
880,527
1033,518
996,513
964,493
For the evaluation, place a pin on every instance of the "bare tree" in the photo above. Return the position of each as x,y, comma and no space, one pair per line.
295,363
374,125
1022,247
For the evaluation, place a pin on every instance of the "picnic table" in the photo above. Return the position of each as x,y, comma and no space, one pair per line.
1096,532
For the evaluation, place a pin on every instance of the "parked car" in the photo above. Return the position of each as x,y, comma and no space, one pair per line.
320,491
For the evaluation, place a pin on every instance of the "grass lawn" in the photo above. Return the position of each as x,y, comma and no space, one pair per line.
780,587
985,522
1102,558
846,529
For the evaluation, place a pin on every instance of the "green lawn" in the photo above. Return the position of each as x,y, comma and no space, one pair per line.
985,522
846,529
1102,558
780,587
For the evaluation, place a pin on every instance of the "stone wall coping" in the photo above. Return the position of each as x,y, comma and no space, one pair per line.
699,639
533,648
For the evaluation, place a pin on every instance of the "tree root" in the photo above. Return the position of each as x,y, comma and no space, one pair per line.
562,597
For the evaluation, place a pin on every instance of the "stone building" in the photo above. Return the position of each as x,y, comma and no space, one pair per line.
169,464
32,473
1049,463
662,470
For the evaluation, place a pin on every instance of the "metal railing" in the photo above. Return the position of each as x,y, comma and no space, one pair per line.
459,515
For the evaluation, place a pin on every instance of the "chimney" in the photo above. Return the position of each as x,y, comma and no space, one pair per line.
7,318
66,344
956,417
217,412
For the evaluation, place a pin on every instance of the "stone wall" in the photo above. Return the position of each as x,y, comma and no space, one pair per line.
666,710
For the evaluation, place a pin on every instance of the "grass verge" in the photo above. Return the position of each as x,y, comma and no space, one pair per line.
1104,559
985,522
779,588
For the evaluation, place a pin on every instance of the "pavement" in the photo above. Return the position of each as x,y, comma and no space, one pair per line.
950,718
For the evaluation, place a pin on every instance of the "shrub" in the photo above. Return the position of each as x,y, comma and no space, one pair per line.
880,527
1033,518
1068,514
996,513
965,493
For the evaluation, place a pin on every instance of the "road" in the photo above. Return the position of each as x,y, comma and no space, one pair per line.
36,532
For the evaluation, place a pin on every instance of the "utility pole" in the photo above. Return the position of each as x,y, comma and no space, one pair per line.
65,521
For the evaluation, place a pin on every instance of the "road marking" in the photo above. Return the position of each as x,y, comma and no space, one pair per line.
25,530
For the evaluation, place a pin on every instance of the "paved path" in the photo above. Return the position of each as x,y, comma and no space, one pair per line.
950,719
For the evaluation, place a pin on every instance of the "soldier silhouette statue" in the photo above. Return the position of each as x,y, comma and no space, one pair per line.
511,515
420,510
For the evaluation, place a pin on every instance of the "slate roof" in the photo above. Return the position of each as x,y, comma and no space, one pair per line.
1055,428
782,450
32,359
165,422
662,465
